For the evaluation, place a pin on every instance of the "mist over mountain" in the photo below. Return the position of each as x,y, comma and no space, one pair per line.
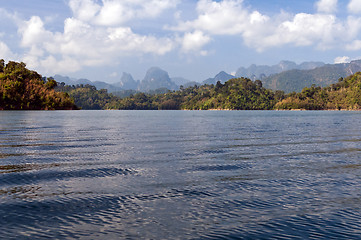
180,80
156,78
103,85
289,77
83,81
71,81
261,71
191,84
221,76
127,82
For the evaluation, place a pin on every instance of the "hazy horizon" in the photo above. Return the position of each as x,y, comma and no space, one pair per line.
172,77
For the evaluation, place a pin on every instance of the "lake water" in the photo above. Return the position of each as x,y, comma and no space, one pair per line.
180,175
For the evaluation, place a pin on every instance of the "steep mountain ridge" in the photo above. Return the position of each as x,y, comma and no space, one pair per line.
295,80
127,82
156,78
261,71
304,75
221,76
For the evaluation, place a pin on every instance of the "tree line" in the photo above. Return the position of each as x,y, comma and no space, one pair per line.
235,94
22,89
344,95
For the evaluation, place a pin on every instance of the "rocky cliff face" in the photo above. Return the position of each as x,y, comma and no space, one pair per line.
353,67
127,82
156,78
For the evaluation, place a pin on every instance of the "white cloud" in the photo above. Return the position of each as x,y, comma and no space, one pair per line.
83,42
352,28
5,52
153,8
343,59
99,32
118,12
307,29
84,10
219,18
123,39
326,6
354,6
33,32
113,13
193,42
230,17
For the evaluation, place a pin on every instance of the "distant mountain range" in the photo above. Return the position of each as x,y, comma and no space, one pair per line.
295,80
286,76
97,84
222,77
155,78
259,72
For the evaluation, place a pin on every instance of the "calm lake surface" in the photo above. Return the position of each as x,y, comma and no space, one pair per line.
180,175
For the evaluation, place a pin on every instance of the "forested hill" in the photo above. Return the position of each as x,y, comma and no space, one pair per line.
344,95
295,80
235,94
22,89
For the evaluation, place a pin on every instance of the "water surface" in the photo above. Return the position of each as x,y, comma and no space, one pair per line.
180,175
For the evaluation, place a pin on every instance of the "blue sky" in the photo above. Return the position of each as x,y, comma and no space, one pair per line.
195,39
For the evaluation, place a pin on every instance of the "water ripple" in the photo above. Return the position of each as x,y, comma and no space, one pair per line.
180,175
21,177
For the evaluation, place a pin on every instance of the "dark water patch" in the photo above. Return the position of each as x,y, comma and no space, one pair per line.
6,155
25,167
55,146
20,192
19,178
50,216
214,151
25,145
218,168
296,143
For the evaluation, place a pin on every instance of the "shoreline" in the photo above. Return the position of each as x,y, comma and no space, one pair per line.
213,109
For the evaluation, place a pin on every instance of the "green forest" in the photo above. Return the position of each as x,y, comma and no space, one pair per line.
344,95
235,94
22,89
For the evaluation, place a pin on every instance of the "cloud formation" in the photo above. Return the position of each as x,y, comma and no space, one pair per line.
343,59
5,51
354,7
116,12
327,6
95,35
230,17
100,31
193,42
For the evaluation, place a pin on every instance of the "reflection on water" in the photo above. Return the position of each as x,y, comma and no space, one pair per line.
180,175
